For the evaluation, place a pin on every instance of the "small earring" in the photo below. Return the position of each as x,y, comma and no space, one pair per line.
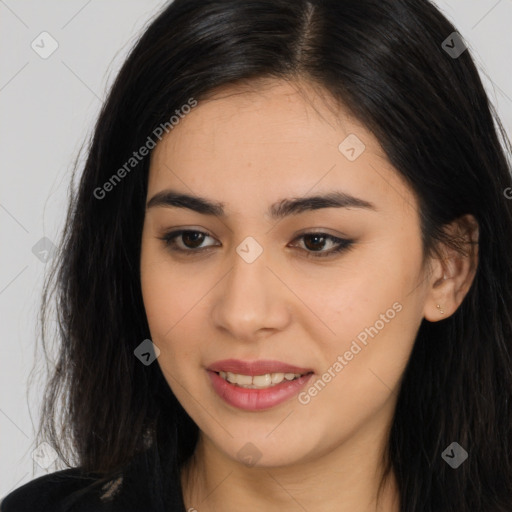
440,310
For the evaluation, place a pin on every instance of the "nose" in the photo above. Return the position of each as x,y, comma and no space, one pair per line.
251,302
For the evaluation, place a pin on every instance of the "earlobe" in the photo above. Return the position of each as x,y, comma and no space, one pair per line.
454,271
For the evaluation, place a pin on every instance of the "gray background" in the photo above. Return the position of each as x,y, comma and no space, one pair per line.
47,110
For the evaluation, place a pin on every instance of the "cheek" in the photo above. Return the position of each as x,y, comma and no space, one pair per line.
162,303
173,305
362,365
352,297
166,291
374,310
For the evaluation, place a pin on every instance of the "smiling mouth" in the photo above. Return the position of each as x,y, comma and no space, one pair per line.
264,381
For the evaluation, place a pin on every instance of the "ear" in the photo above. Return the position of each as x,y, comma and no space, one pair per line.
453,270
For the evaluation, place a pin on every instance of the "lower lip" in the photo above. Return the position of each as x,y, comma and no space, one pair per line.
257,399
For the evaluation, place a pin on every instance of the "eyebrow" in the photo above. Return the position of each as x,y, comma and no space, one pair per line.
278,210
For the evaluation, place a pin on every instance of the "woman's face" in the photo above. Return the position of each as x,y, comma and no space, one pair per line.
257,278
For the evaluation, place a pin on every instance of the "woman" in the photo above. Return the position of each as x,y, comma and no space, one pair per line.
285,279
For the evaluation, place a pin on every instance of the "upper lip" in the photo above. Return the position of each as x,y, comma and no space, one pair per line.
252,368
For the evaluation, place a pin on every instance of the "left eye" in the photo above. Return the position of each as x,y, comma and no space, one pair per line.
315,242
189,242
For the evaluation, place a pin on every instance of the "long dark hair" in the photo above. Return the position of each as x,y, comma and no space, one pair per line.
383,60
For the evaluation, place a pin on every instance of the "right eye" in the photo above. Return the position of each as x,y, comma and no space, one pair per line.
186,241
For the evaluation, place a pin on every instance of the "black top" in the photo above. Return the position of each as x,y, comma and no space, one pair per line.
55,492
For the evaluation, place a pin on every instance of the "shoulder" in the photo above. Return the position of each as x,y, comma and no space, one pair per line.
69,489
72,490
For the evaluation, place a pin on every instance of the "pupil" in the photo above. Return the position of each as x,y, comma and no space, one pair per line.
197,238
319,245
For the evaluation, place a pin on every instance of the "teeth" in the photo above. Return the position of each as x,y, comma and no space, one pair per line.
245,380
258,381
262,381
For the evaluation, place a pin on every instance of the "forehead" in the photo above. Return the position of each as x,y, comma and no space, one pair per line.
278,137
277,113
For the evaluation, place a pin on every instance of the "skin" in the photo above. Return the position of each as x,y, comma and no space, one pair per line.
248,148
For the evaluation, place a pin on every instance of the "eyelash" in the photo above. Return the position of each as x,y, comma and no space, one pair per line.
342,244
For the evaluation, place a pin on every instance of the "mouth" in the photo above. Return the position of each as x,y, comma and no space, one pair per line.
257,385
265,381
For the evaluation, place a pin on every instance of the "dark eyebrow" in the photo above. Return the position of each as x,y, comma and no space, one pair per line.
279,210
